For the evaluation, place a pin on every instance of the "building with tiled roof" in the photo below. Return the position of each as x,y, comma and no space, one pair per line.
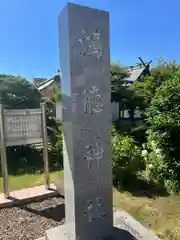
136,72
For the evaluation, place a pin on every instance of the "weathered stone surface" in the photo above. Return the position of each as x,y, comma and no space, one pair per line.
125,227
123,221
85,85
60,233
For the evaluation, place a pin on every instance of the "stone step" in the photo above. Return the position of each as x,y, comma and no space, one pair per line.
57,233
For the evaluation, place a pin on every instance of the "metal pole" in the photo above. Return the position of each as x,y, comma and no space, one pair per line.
45,146
4,168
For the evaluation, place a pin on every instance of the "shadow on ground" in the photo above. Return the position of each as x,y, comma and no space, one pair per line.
58,214
122,234
55,213
142,188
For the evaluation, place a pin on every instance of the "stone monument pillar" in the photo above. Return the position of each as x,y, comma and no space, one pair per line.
86,116
85,89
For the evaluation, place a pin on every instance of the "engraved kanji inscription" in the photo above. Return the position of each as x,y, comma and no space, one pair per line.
93,101
91,44
95,210
93,155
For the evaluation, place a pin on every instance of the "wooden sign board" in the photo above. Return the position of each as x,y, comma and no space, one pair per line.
22,127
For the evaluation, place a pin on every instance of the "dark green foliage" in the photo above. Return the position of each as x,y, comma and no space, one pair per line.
24,159
139,134
127,160
18,93
117,74
144,91
120,93
124,125
56,152
56,141
163,116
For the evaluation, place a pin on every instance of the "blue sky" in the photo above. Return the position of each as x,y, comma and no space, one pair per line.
29,33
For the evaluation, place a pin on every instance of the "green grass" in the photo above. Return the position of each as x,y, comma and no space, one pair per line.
27,180
160,214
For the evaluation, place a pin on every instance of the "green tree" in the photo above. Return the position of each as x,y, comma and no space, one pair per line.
163,117
18,93
127,160
57,94
118,74
144,91
119,92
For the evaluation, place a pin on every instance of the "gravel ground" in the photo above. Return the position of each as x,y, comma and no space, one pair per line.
29,222
32,220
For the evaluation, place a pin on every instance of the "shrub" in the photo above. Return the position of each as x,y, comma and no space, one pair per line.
139,134
163,116
24,159
127,160
56,158
160,166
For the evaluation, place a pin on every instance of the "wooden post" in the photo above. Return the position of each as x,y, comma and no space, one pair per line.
45,146
4,168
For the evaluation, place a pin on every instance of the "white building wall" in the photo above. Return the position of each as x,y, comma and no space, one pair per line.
115,112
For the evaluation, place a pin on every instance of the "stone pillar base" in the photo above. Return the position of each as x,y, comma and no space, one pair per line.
125,228
57,233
